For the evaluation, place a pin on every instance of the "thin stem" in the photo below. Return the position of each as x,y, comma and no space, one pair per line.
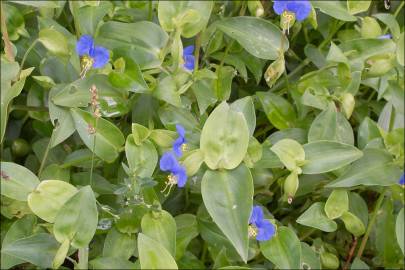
308,233
395,15
197,51
92,156
7,43
71,260
150,11
83,258
44,158
371,224
351,252
28,108
26,54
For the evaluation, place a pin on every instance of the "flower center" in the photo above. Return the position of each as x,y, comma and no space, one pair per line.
287,20
170,182
184,147
252,231
86,63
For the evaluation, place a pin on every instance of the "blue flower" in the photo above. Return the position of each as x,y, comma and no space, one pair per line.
179,143
169,163
188,57
402,179
301,8
387,36
95,56
262,229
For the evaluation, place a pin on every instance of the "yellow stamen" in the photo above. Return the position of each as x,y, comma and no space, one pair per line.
184,147
252,231
171,181
86,64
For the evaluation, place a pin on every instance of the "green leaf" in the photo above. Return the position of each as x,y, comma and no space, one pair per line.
48,198
189,16
337,203
38,249
108,137
224,138
88,17
21,228
358,207
315,217
192,161
399,229
374,168
246,107
391,22
38,3
54,41
335,9
61,254
142,159
112,263
153,255
368,130
161,227
259,37
77,219
325,156
186,231
290,152
309,258
359,265
355,7
228,197
166,90
284,249
278,110
17,181
119,245
353,224
332,126
142,40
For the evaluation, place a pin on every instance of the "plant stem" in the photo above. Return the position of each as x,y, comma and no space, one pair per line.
370,224
28,108
44,158
150,11
92,156
26,54
7,43
351,252
83,255
308,233
197,51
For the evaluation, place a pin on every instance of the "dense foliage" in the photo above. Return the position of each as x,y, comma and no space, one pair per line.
202,134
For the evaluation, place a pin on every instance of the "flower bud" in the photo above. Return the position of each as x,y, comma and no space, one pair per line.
329,260
379,65
274,71
370,28
348,102
291,186
255,8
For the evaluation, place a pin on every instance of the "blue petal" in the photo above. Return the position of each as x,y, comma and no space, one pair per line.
84,45
402,179
302,9
168,161
266,230
101,56
189,62
180,130
177,146
181,175
256,216
387,36
279,6
189,50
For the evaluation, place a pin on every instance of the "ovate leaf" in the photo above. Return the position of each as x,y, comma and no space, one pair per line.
228,197
315,217
153,255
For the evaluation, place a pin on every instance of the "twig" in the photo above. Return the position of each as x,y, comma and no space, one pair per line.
370,224
351,253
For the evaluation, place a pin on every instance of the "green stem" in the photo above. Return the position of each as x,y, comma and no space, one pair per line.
26,54
308,233
371,224
44,158
92,156
83,258
197,51
28,108
150,12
